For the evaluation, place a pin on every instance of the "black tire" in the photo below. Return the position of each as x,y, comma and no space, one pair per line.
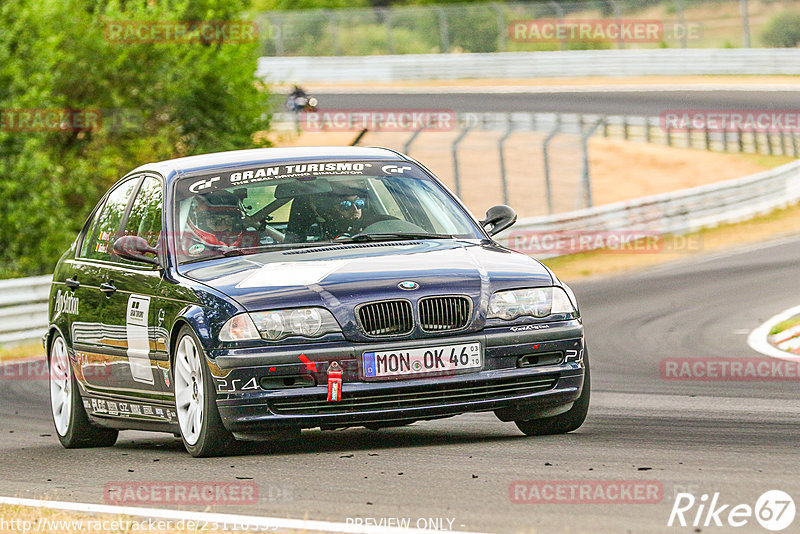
212,439
567,421
75,431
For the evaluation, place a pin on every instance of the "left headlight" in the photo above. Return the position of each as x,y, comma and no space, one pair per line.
534,302
276,325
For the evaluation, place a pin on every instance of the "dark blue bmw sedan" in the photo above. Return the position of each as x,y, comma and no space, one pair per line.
249,294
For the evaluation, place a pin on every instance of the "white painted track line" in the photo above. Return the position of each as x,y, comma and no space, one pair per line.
233,522
758,337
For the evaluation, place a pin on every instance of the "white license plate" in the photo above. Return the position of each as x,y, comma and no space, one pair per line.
423,360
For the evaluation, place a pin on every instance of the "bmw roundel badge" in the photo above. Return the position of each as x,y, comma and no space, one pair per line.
408,285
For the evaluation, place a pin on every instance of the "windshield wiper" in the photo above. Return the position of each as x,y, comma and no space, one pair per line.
255,250
274,246
390,236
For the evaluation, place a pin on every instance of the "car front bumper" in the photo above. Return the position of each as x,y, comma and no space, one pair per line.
530,371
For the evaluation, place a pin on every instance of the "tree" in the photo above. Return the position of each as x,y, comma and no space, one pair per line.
157,99
783,30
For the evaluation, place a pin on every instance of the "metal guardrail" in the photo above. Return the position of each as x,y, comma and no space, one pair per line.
676,213
784,142
517,65
23,309
501,26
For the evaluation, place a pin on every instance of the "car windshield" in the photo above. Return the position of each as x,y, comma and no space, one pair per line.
303,205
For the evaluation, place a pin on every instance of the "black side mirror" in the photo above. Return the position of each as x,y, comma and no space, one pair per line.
499,217
135,248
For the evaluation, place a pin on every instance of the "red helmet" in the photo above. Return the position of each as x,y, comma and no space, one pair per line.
216,218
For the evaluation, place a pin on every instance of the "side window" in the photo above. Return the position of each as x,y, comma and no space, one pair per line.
103,231
386,201
144,219
92,231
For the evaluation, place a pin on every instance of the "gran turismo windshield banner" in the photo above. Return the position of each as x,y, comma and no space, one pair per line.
301,171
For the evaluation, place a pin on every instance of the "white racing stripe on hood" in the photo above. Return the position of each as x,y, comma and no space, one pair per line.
285,274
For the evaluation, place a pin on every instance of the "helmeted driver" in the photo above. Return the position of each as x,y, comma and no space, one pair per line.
214,221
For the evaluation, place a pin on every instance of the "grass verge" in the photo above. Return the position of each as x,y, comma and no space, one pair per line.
21,352
779,223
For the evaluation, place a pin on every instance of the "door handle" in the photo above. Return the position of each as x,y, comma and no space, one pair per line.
72,283
108,288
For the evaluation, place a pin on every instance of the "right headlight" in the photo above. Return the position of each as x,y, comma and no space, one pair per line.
533,302
278,324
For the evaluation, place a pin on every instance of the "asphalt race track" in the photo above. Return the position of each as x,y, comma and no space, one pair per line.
644,103
736,438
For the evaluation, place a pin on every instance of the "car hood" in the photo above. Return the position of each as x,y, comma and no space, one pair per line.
339,277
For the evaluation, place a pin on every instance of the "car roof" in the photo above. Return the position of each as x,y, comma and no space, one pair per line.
234,159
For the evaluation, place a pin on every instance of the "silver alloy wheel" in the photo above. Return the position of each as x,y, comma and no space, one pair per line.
189,393
60,386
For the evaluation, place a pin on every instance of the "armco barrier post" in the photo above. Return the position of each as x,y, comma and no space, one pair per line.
407,145
745,22
456,177
501,27
444,31
500,146
546,160
587,183
681,22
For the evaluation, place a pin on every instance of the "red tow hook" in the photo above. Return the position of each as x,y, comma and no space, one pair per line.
334,382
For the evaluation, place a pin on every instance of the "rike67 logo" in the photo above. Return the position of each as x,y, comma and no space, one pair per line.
774,510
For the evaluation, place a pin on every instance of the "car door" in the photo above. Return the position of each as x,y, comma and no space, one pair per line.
115,339
97,342
134,306
139,303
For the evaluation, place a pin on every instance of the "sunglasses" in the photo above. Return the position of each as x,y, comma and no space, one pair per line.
348,204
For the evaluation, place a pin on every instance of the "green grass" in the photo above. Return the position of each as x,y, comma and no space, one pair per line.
784,325
22,351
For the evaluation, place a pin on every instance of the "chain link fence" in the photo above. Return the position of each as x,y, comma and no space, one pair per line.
541,160
514,26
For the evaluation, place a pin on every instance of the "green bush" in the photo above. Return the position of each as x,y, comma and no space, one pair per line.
158,101
782,30
372,39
